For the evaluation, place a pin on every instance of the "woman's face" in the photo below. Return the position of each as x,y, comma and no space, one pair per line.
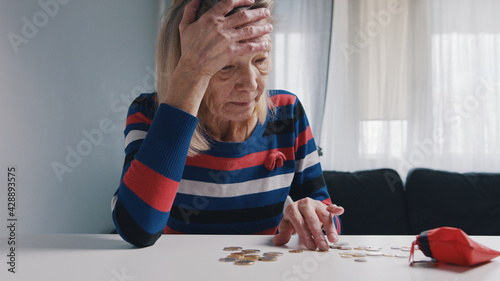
234,91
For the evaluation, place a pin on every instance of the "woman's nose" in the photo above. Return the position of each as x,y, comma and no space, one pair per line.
247,79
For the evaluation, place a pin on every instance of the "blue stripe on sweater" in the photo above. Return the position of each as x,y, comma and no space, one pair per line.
231,203
148,218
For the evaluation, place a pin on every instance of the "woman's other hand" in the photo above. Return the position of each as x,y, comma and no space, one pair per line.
307,217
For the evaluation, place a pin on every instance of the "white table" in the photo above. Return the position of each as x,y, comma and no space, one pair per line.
92,257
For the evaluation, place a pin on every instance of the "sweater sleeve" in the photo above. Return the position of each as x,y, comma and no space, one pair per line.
156,145
308,180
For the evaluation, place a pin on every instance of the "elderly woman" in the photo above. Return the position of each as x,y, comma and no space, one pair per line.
213,152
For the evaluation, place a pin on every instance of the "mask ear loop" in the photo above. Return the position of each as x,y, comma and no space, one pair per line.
411,259
412,253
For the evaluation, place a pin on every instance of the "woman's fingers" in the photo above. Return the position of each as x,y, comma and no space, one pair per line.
189,15
309,209
307,217
225,6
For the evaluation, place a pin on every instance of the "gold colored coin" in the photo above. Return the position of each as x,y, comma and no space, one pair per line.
389,255
359,248
272,254
322,251
346,256
266,258
236,256
251,257
250,251
232,248
243,262
227,259
295,251
359,255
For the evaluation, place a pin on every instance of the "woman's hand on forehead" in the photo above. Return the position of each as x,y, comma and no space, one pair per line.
213,40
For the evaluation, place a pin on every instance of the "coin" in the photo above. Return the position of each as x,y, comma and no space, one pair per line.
374,254
359,248
345,253
232,248
322,251
396,247
266,258
272,254
251,257
341,244
236,256
244,262
295,251
402,256
345,248
389,255
346,256
359,255
373,249
250,251
335,247
227,259
361,260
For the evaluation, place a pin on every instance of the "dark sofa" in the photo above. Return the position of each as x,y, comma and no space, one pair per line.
378,202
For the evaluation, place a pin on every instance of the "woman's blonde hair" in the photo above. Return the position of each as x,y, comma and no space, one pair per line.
168,53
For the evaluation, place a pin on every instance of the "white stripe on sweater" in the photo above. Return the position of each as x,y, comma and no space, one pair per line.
310,160
235,189
134,135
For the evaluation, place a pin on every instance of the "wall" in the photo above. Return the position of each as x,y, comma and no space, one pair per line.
68,71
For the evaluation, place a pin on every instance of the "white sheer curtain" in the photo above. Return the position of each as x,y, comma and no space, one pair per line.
413,83
301,44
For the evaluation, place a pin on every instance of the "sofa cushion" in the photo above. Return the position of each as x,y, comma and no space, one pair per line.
468,201
373,200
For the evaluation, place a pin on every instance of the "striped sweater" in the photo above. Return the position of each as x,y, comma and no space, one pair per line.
234,188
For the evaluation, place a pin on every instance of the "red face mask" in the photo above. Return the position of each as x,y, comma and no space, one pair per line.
452,245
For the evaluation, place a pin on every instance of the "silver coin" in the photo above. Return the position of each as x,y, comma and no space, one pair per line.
402,256
375,254
361,260
244,262
268,258
341,244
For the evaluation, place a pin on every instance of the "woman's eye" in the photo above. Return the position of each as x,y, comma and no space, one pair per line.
227,67
261,60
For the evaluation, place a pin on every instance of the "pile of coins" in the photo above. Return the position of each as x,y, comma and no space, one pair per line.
239,256
368,251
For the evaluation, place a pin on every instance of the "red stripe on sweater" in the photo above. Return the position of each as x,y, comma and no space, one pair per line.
283,99
138,118
168,230
303,138
327,201
154,189
232,164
